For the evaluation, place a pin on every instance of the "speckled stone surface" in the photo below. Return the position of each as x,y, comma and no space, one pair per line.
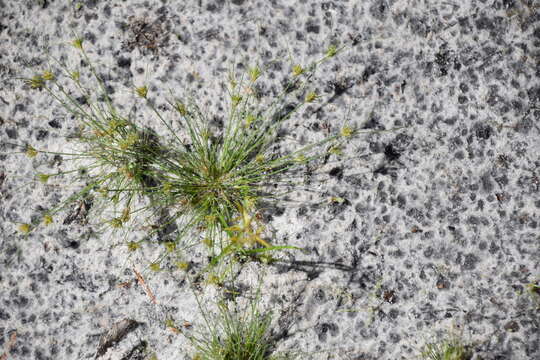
440,227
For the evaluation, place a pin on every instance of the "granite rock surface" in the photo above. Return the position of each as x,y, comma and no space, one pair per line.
439,228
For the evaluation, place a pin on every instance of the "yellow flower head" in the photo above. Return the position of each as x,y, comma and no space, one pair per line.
235,99
43,177
37,82
254,73
250,118
181,108
155,266
116,223
336,150
75,75
182,265
332,51
31,152
311,96
171,246
260,158
47,219
142,91
167,187
129,141
246,232
300,158
25,228
132,246
77,43
208,242
297,70
337,200
48,75
346,131
170,323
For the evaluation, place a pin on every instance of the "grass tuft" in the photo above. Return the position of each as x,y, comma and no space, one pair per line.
234,335
207,186
452,349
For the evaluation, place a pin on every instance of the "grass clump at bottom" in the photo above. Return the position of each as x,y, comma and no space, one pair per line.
236,334
451,349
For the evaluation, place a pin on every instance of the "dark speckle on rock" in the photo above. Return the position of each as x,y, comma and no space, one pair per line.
511,326
470,261
41,134
54,124
487,184
379,9
391,153
11,133
483,131
534,94
124,62
336,172
323,329
312,28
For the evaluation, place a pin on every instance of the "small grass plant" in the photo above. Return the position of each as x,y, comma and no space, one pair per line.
236,332
452,348
207,182
216,181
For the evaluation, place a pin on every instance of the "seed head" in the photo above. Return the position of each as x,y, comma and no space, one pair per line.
77,43
181,108
297,70
346,131
31,152
36,82
116,223
260,158
254,73
332,51
236,99
335,150
300,158
126,215
250,118
171,246
311,96
47,219
182,265
232,81
44,178
142,91
48,75
25,228
132,245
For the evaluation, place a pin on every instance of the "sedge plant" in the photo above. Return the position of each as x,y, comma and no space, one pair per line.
216,179
208,184
235,332
450,349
